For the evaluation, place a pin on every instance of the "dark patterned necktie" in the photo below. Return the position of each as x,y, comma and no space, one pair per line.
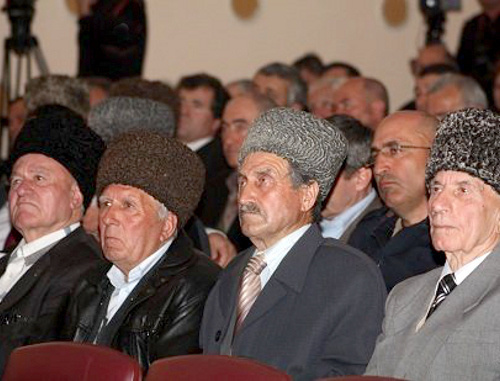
446,285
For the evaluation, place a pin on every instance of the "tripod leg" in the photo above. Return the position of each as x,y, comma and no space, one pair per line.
40,60
18,75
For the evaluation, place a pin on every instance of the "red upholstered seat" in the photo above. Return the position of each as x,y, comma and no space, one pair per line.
212,367
61,361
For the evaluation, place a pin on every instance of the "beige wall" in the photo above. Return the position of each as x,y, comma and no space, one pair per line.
187,36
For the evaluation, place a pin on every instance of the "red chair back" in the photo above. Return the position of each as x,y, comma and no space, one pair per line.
61,361
212,368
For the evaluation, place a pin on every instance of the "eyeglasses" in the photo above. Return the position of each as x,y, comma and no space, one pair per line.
392,150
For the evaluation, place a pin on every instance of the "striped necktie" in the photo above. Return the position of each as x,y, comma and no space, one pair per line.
446,285
250,287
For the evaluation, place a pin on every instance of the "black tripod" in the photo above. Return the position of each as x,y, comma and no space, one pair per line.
24,52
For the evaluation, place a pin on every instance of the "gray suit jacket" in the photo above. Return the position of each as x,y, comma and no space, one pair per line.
460,341
318,315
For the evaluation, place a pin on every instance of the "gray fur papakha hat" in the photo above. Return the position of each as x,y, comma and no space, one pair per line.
161,166
313,145
467,141
117,115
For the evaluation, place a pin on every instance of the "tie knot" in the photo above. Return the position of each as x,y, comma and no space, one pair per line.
257,263
448,283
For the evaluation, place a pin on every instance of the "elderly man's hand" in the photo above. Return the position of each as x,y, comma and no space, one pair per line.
221,249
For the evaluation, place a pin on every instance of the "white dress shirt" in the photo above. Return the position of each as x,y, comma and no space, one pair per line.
197,144
26,254
124,284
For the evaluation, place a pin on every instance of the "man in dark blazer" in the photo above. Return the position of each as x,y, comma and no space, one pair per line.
443,325
307,305
53,166
202,99
149,301
352,197
396,236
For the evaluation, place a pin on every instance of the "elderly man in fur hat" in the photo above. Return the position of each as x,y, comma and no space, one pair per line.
149,301
297,301
444,325
53,166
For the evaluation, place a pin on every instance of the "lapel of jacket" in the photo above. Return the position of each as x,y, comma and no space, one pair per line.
466,297
289,277
3,263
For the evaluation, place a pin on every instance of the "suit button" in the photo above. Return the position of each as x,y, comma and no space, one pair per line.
217,336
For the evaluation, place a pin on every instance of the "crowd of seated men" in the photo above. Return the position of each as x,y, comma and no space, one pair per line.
288,217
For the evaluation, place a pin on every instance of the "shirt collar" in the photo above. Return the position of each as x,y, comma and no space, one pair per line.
197,144
25,249
336,226
119,280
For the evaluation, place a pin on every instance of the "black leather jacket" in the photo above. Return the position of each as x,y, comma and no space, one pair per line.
162,315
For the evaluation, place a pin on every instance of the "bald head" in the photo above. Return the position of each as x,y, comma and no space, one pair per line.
401,146
365,99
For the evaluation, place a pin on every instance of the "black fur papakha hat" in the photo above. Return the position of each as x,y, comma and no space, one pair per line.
467,141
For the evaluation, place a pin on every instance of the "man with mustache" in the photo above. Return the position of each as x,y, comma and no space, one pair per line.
308,305
396,236
53,166
443,325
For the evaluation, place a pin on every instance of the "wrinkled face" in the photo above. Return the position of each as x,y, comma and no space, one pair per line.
130,228
43,196
320,101
350,99
273,87
400,174
270,207
238,115
422,86
446,100
464,214
196,119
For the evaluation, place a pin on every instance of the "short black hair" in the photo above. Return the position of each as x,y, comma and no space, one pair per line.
311,62
350,69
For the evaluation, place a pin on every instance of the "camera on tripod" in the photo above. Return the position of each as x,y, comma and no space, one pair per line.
20,14
434,12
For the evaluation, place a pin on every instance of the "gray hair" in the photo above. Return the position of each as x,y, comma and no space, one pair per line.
297,91
359,138
472,93
117,115
63,90
261,101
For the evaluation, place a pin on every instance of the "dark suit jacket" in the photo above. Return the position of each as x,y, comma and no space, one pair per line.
460,341
214,196
34,309
318,315
408,253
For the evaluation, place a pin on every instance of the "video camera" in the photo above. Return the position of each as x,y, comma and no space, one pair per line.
434,12
20,14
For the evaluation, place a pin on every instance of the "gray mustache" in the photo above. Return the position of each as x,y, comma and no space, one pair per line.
249,207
